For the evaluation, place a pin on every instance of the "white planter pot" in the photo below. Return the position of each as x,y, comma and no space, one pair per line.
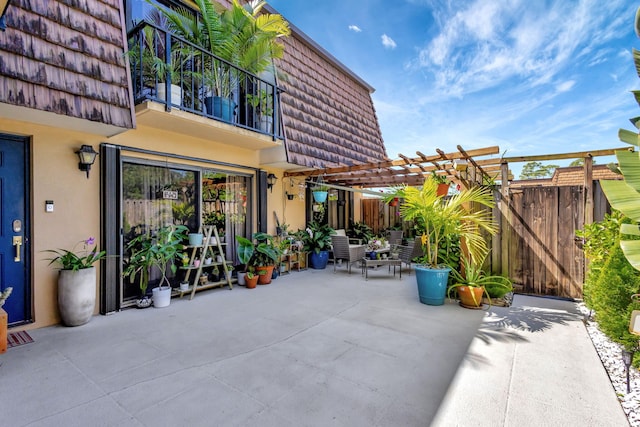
241,277
161,296
176,93
77,295
266,124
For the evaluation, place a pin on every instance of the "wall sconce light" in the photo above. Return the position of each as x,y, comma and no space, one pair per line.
271,181
87,156
290,196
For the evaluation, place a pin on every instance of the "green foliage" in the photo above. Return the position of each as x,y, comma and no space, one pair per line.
610,294
262,102
70,260
439,178
611,280
533,170
217,219
360,230
609,289
580,162
317,237
449,251
495,286
261,250
439,218
159,250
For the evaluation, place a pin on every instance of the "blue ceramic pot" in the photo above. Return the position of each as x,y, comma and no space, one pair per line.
319,261
432,284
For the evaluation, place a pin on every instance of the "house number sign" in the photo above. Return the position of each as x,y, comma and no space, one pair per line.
169,195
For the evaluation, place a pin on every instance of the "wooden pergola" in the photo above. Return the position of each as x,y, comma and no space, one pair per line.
464,167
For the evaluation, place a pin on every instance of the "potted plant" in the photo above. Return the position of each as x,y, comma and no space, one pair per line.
77,282
148,57
251,279
473,283
259,254
157,250
443,183
320,193
241,36
439,218
262,102
317,241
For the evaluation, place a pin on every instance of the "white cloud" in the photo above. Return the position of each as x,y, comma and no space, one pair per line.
355,28
486,44
565,86
388,42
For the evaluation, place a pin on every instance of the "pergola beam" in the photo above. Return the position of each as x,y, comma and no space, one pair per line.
575,155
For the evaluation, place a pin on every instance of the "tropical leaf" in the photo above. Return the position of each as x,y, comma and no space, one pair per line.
628,137
631,249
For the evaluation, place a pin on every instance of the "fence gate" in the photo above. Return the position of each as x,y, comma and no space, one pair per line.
538,245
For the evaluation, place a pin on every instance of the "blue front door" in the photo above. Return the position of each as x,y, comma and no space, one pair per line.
14,242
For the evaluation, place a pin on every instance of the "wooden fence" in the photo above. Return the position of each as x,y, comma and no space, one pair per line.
538,248
379,215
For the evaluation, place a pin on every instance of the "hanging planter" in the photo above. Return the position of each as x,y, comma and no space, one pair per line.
320,196
394,202
443,189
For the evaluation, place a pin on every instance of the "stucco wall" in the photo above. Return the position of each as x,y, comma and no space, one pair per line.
55,176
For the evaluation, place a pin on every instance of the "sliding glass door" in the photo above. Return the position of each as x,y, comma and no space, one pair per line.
154,196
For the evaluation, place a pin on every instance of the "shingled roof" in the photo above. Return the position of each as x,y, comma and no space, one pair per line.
329,117
65,57
571,175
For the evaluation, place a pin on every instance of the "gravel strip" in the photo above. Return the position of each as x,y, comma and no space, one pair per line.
611,356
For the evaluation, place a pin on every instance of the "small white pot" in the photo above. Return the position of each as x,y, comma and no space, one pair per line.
241,280
161,296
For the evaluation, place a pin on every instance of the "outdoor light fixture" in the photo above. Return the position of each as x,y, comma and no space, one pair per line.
460,164
290,196
627,358
87,156
271,181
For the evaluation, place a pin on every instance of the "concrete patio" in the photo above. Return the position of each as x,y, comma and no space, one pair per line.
313,348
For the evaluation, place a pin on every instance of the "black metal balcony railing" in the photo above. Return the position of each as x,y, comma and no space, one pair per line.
170,70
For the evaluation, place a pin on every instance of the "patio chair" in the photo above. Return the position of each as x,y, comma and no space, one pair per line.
352,240
395,237
408,252
342,250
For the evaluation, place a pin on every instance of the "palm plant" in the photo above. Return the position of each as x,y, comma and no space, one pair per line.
241,36
439,217
625,195
474,276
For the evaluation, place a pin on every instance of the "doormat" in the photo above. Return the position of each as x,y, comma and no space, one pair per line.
15,339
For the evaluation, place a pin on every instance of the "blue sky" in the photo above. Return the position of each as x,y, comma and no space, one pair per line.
531,76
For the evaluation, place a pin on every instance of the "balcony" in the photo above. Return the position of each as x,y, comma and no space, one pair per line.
202,92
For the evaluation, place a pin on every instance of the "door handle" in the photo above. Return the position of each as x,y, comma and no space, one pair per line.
17,242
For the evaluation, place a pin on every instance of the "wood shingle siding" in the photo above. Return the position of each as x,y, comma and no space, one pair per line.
329,117
66,57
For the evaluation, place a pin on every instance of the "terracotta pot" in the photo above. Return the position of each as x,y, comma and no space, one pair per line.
251,282
264,278
470,296
443,189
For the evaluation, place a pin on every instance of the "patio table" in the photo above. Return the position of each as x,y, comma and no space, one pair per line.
366,263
